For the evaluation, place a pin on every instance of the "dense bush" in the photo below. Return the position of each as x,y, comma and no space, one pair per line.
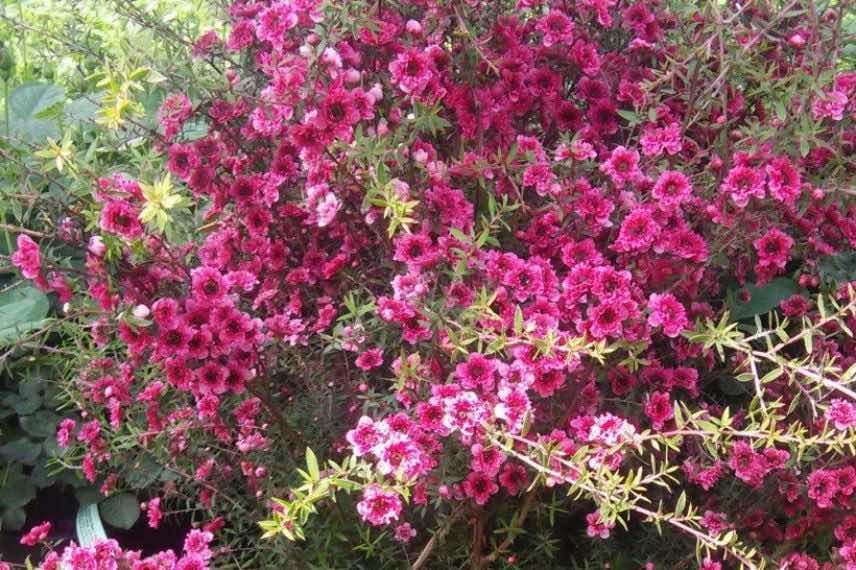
542,284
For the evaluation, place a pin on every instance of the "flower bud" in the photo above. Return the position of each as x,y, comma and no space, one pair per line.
352,76
96,246
414,27
141,311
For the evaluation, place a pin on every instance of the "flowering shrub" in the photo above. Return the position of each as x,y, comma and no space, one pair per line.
483,257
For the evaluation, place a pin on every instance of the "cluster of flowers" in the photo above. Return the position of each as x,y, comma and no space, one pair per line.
108,555
620,235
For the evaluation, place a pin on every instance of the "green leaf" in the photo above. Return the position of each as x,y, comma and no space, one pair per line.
21,309
628,116
17,491
22,450
764,299
26,105
82,109
40,424
87,495
13,519
144,471
21,404
312,465
120,511
838,268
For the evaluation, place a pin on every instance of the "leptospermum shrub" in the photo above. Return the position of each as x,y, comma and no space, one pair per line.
486,284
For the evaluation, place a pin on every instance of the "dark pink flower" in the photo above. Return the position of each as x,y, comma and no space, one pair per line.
841,413
27,258
743,183
672,188
658,408
479,487
412,71
379,507
622,166
556,28
121,218
667,311
36,534
370,359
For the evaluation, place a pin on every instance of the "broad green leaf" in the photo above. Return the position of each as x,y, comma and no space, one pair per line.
764,299
17,491
143,473
13,519
21,309
40,424
23,450
120,511
839,268
26,103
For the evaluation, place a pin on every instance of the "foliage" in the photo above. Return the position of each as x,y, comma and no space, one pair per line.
442,284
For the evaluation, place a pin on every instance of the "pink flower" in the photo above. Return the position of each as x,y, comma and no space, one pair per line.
404,533
596,527
823,487
379,507
207,285
773,252
211,379
638,231
153,512
63,432
542,178
486,460
659,410
672,188
27,257
742,183
783,180
416,250
327,208
275,21
370,359
165,313
367,435
513,478
36,534
606,319
794,306
479,487
655,141
622,166
412,71
715,522
667,311
841,413
556,28
830,106
121,218
476,371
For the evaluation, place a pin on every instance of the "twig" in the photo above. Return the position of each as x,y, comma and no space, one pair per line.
429,546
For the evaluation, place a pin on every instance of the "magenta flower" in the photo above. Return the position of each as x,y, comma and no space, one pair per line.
667,312
412,71
27,258
121,218
672,188
479,487
379,507
622,166
370,359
